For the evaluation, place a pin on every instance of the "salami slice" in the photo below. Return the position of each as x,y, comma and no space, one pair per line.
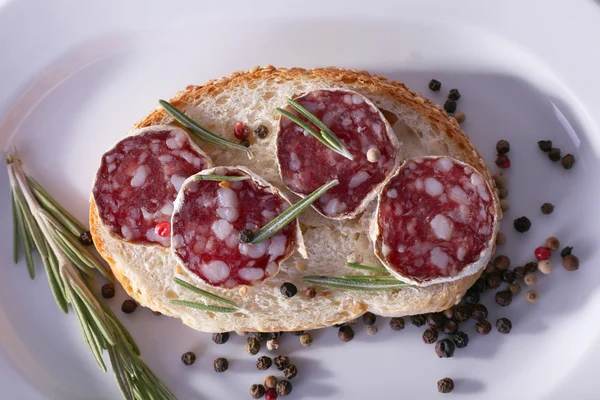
138,181
306,164
209,216
435,221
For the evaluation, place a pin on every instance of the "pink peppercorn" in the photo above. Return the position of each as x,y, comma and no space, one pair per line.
542,253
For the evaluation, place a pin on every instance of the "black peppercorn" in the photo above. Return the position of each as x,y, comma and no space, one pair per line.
290,372
263,363
502,263
471,297
418,320
545,145
108,291
274,335
483,327
568,161
547,208
261,336
430,336
128,306
522,224
448,313
503,325
220,338
461,340
519,272
435,320
346,333
480,285
502,146
566,251
298,333
530,267
257,391
494,280
450,106
450,327
504,298
221,364
86,238
479,312
283,388
444,348
369,318
282,362
454,94
397,323
246,236
461,313
554,154
288,289
435,85
252,345
188,358
262,131
445,385
508,276
157,313
245,142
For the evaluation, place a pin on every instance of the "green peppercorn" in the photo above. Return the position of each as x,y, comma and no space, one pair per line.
290,372
418,320
262,131
503,325
570,262
522,224
257,391
504,298
397,323
450,106
568,161
554,154
282,362
502,263
369,318
306,340
547,208
502,147
483,327
221,364
188,358
430,336
283,388
435,85
479,312
263,363
445,385
501,179
108,291
545,145
444,348
252,345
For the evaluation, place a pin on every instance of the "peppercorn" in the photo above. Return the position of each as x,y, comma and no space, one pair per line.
288,289
372,330
494,280
369,318
554,154
514,288
257,391
547,208
508,276
519,272
545,145
504,298
503,325
502,193
445,385
479,312
522,224
500,238
246,236
502,147
298,333
542,253
306,340
505,205
418,320
274,335
397,323
220,338
262,131
240,131
570,262
435,320
530,267
281,362
530,278
430,336
263,363
284,388
272,344
545,267
270,382
346,333
450,327
245,142
221,364
271,394
108,291
373,155
471,297
552,243
435,85
310,293
460,117
290,372
188,358
241,333
86,238
480,285
502,262
444,348
501,179
531,296
566,251
461,313
483,327
157,313
129,306
252,345
461,340
450,106
448,313
261,336
490,267
568,161
454,94
502,161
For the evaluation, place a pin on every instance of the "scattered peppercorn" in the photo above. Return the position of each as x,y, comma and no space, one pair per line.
188,358
508,276
531,296
282,362
554,154
430,336
240,131
86,238
479,312
220,338
568,161
542,253
272,344
494,280
501,179
519,272
274,335
460,117
346,333
245,142
241,333
288,289
522,224
570,262
221,364
502,262
257,391
450,106
310,293
369,318
461,340
271,394
129,306
252,345
480,285
483,327
444,348
502,147
502,161
502,192
490,267
545,267
503,325
290,372
435,85
450,327
530,279
418,320
454,94
500,239
246,236
471,297
547,208
545,145
261,336
566,251
108,291
530,267
461,313
263,363
552,243
435,320
373,155
445,385
372,330
262,131
397,323
448,313
270,382
157,313
306,340
514,288
505,205
284,388
297,333
504,298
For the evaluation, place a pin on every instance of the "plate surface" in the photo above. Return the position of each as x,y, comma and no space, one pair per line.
76,78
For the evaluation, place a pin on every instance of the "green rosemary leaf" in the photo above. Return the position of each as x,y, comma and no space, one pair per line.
366,267
16,233
204,293
24,239
55,284
119,375
198,130
87,334
370,278
63,244
222,178
303,124
204,307
349,284
121,330
279,222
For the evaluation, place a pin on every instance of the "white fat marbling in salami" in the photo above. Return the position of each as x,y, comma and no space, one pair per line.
435,220
306,164
208,218
138,181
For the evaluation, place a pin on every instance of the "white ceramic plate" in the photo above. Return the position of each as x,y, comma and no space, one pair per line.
76,75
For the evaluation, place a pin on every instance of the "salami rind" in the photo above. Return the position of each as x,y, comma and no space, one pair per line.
435,222
208,217
138,181
305,163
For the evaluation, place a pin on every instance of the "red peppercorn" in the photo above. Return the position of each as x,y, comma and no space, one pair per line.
502,161
542,253
270,394
241,131
163,229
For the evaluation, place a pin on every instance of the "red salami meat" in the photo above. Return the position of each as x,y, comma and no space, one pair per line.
138,181
436,220
208,218
306,164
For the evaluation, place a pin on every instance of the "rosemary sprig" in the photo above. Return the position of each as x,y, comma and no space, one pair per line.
366,267
204,307
40,223
222,178
279,222
373,284
204,293
199,131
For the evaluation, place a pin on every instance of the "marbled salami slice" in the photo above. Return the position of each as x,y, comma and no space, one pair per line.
306,164
435,222
138,181
209,216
